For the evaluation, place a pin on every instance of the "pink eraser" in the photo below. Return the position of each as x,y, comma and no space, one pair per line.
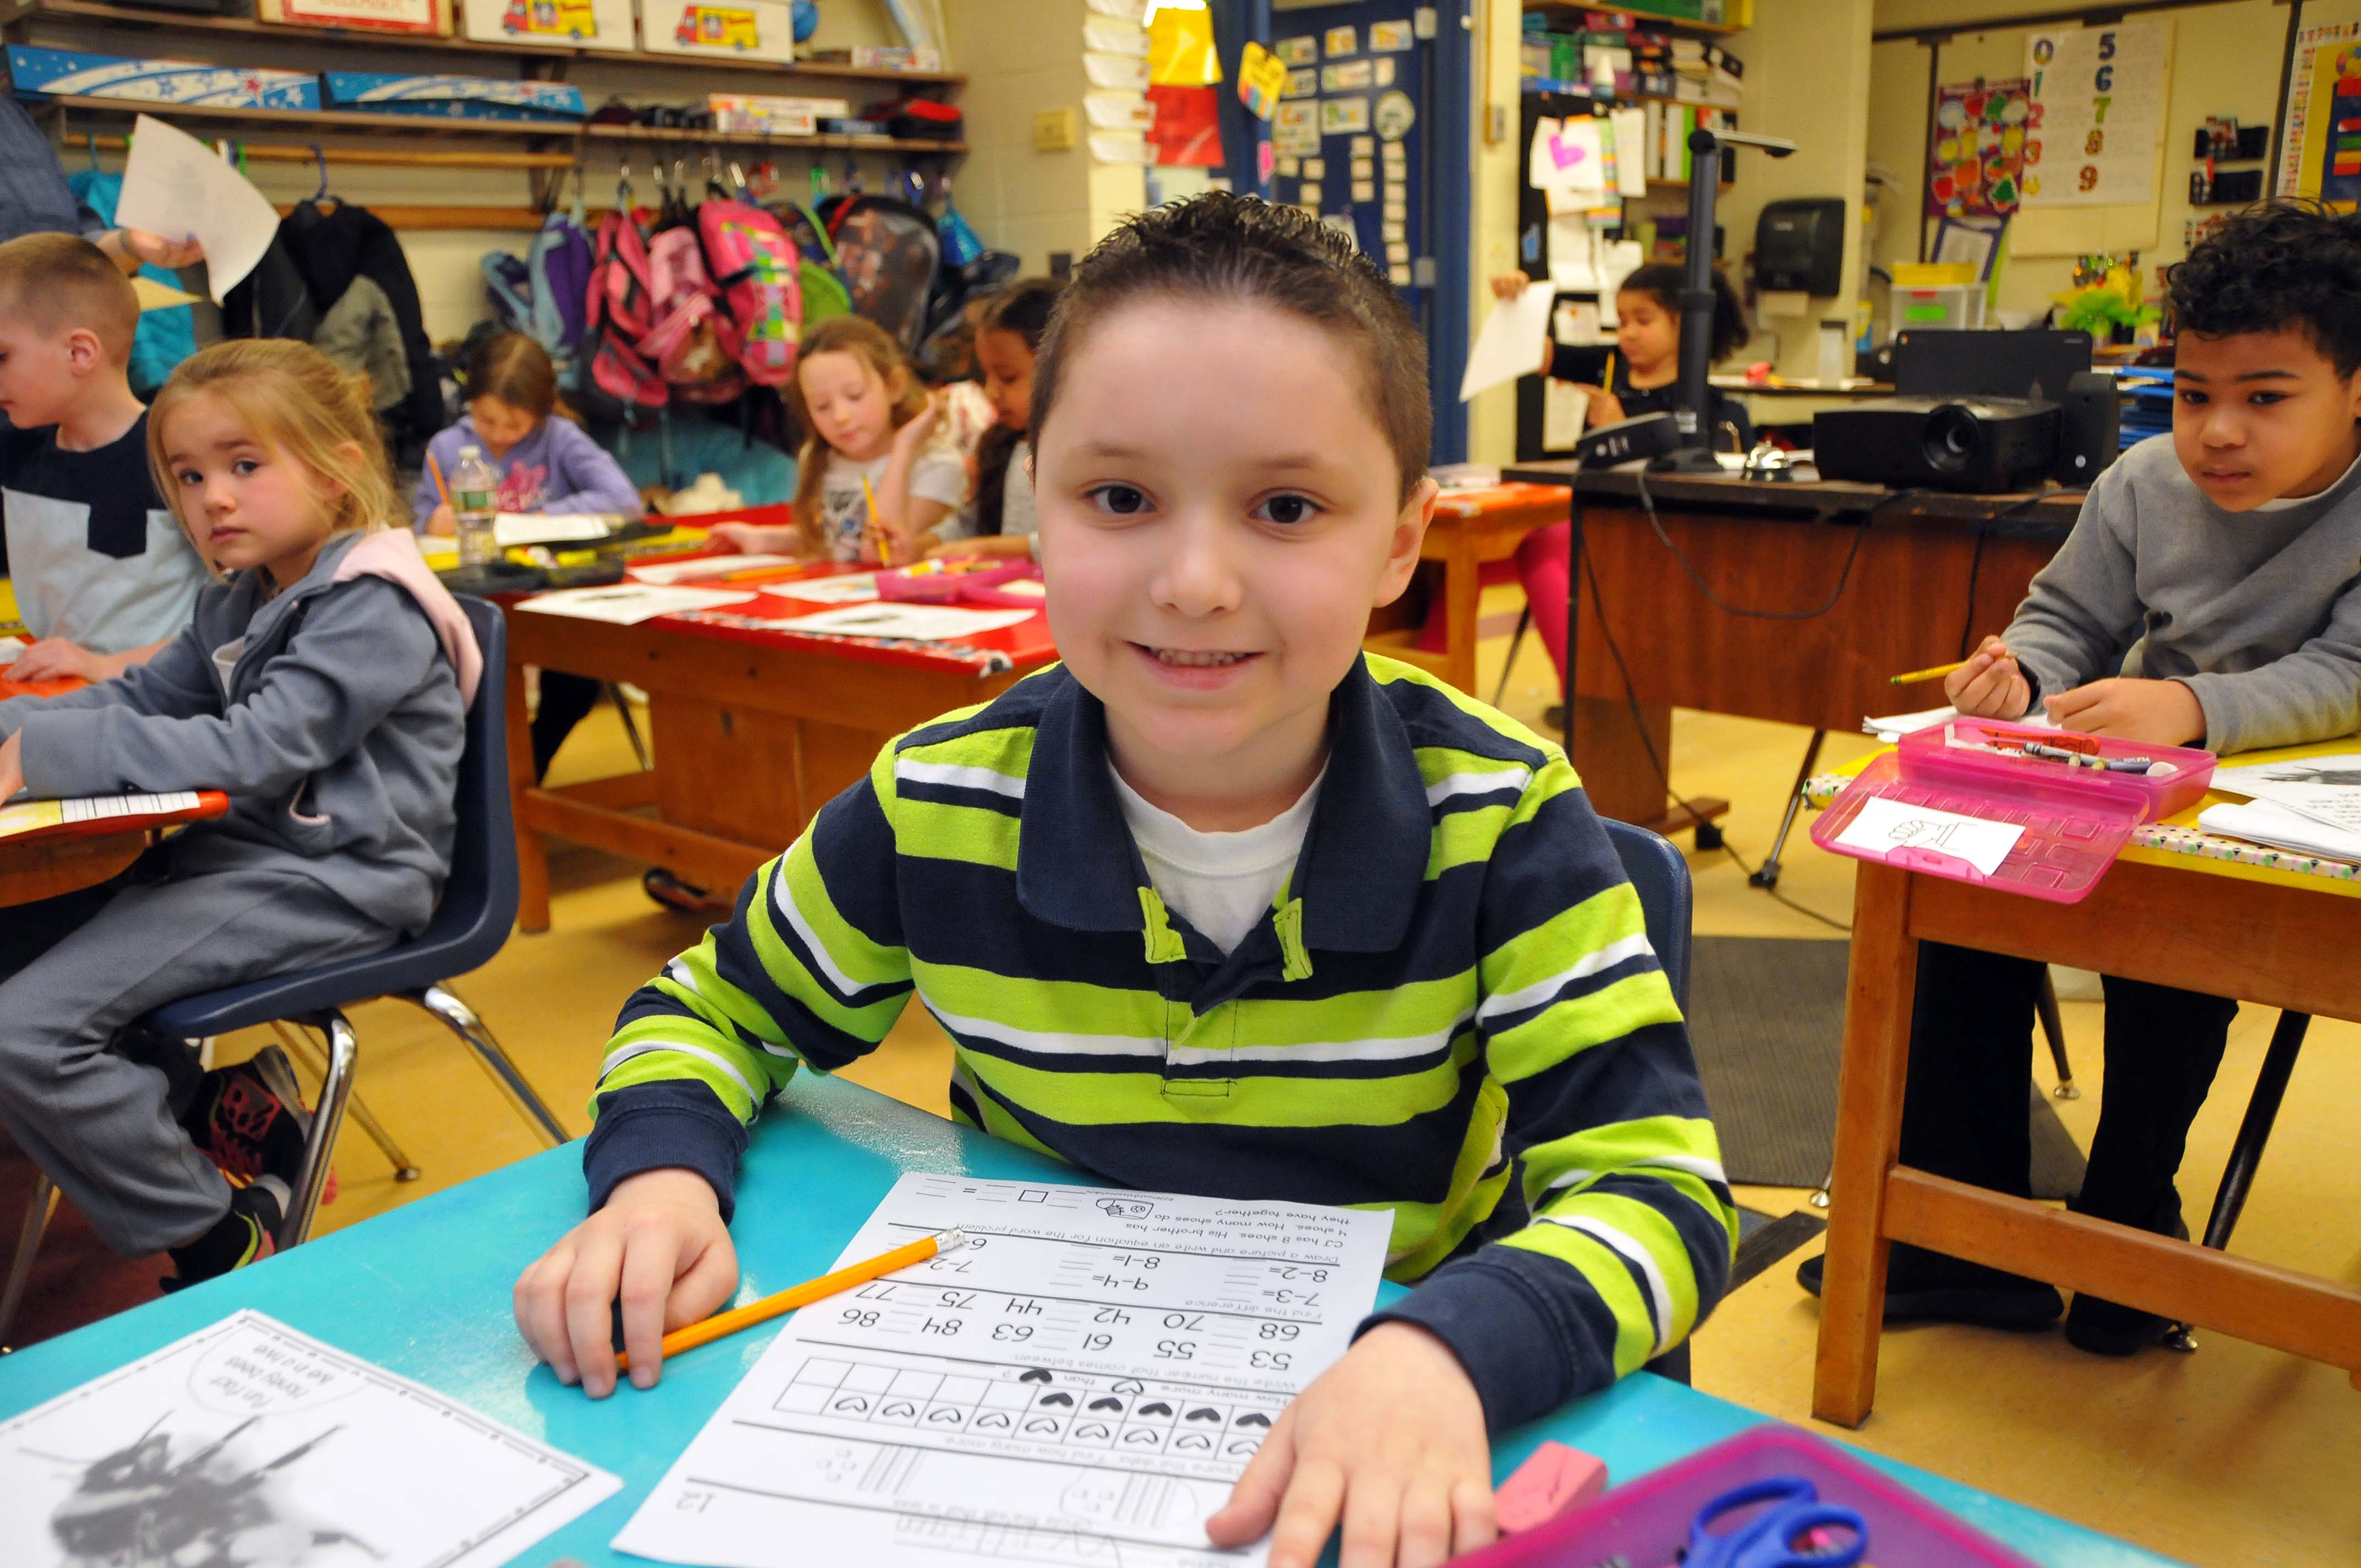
1554,1479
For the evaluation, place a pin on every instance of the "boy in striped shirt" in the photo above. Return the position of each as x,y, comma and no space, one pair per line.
1224,906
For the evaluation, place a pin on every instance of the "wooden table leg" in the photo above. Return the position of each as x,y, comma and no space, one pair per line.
1462,608
533,856
1881,992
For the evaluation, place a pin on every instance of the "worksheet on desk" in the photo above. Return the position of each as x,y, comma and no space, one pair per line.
1081,1383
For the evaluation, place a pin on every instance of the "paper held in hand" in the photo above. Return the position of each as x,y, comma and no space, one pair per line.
176,186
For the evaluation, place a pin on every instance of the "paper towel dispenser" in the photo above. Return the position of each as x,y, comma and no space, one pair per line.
1799,246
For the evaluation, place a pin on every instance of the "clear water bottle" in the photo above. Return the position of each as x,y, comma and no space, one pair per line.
474,489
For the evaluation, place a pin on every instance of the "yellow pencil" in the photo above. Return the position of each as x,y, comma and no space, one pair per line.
884,544
1936,674
1606,382
769,1307
440,488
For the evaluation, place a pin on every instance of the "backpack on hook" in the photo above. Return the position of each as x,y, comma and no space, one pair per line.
619,310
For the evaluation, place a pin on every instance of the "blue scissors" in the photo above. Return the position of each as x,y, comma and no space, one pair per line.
1774,1536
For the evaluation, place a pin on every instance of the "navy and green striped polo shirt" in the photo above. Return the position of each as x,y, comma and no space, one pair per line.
1451,1011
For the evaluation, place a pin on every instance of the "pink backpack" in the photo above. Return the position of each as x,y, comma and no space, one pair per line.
693,343
756,265
618,312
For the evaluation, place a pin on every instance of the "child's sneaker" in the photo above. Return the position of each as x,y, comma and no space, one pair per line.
685,898
247,1233
251,1122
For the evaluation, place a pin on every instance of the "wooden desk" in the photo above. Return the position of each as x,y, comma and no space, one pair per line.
1471,530
1908,581
2164,914
754,729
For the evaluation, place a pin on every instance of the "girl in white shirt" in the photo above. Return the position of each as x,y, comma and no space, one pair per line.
1005,342
869,429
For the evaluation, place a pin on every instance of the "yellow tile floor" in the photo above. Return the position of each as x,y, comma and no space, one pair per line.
2234,1455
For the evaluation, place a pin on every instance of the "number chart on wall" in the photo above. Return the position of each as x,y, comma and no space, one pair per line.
2098,112
1348,134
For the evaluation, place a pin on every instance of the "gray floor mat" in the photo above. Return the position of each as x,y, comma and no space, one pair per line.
1766,1016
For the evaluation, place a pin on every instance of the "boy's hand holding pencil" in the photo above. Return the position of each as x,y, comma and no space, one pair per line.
1990,685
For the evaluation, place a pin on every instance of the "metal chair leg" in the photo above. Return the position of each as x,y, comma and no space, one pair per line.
631,726
2254,1131
2053,1029
1766,876
327,1121
462,1021
1820,1198
39,1205
300,1044
1524,620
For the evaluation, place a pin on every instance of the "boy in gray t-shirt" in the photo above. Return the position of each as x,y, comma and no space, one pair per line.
2209,596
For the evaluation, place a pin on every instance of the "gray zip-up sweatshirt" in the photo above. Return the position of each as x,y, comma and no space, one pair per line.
2259,613
332,716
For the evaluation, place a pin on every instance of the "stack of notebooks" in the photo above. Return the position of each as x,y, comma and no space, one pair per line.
2311,806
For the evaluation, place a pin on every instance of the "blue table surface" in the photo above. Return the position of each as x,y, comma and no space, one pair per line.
423,1291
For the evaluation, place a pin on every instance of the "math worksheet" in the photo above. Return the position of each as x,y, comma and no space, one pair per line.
1081,1383
248,1442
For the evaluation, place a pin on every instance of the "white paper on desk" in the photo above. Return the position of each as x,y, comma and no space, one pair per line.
2327,789
1080,1383
176,186
248,1442
628,603
843,587
2282,828
671,572
1894,725
1509,344
896,618
1565,409
1884,826
513,530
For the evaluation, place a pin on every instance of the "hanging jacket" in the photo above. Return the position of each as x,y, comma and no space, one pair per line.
166,337
271,301
329,250
361,334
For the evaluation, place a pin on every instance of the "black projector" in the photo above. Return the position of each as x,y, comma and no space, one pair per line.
1985,444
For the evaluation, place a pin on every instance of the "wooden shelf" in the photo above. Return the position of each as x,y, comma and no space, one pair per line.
296,121
96,13
1655,184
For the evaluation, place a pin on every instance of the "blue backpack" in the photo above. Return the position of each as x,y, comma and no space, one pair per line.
543,296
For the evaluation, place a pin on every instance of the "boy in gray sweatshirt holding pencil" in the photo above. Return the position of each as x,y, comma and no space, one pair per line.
2209,596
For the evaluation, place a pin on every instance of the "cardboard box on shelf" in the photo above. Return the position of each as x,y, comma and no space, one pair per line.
58,73
430,18
574,24
453,97
774,116
742,30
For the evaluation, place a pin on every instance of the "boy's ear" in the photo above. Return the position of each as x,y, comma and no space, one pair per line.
84,352
1409,533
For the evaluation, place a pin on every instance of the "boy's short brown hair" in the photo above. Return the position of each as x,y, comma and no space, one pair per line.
1222,248
59,282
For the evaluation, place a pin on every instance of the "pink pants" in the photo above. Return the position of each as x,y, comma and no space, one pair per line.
1546,568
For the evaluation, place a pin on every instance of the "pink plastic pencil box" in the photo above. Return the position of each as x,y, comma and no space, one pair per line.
1646,1522
950,581
2075,821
